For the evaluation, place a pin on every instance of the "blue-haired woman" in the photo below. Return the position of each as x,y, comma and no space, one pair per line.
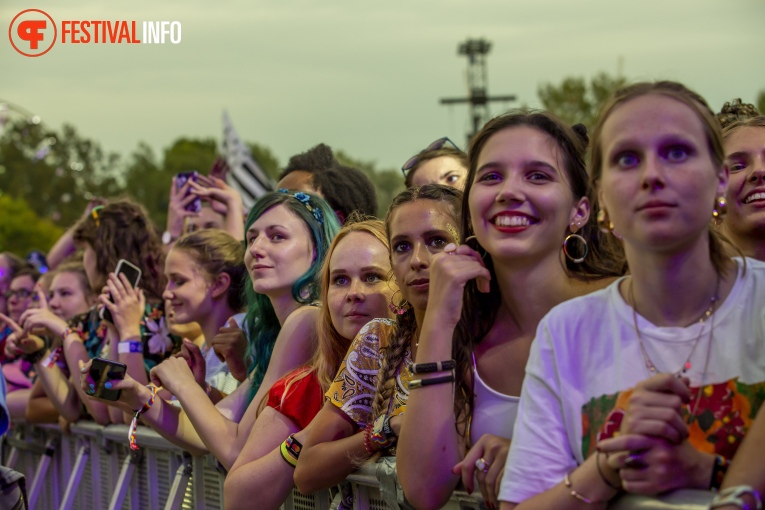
287,236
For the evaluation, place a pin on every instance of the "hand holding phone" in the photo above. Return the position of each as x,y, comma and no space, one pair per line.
101,371
133,275
180,180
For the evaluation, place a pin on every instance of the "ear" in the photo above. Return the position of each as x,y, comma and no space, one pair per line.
580,213
220,285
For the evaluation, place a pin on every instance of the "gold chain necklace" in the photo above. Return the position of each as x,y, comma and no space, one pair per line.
686,366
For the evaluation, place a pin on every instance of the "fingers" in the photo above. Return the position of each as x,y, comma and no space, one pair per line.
10,323
666,383
42,299
625,442
154,377
662,422
192,348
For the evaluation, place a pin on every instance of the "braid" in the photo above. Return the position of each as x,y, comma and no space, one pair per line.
406,325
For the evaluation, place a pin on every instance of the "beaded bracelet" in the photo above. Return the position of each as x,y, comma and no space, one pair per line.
718,472
367,442
418,383
138,413
71,331
576,495
429,368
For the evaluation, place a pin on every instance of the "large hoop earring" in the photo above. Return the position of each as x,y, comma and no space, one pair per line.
478,246
401,307
568,255
720,209
604,222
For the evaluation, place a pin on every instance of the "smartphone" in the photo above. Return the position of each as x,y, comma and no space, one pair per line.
133,275
180,180
102,370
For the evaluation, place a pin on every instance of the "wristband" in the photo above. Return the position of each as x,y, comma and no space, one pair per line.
71,331
129,347
418,383
718,472
51,358
138,413
382,434
732,496
290,450
34,357
367,443
429,368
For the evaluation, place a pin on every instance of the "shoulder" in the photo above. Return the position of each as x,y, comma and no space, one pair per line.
303,320
375,333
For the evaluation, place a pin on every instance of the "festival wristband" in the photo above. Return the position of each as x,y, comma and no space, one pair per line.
718,472
138,413
429,368
382,434
733,496
129,347
290,450
51,358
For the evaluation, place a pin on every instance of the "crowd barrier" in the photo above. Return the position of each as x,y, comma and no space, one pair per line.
92,468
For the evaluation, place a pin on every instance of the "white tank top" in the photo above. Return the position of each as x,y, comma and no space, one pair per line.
493,412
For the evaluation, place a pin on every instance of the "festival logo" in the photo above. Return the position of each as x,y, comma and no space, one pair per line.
32,32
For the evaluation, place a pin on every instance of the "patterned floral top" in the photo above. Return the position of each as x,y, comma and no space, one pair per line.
158,343
354,387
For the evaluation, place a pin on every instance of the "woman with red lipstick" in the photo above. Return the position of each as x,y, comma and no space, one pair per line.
658,390
355,289
527,195
744,223
362,415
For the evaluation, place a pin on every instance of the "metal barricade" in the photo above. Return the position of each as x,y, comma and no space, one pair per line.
93,468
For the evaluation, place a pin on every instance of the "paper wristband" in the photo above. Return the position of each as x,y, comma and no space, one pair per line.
129,347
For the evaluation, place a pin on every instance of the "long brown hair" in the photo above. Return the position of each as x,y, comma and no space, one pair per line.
122,230
479,310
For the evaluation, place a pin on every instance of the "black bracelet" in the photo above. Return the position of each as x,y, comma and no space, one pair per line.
416,383
429,368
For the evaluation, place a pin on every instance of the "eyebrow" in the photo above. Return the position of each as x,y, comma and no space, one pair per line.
531,162
253,229
738,155
363,269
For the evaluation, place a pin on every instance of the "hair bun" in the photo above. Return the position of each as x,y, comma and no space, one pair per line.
581,131
736,110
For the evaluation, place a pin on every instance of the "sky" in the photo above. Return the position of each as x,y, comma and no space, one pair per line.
363,77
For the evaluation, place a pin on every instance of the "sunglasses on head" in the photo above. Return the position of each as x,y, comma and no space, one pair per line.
438,144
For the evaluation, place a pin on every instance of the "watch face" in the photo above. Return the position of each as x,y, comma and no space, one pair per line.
167,237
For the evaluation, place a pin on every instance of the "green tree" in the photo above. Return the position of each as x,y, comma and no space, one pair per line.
388,182
56,173
575,100
21,230
266,159
761,102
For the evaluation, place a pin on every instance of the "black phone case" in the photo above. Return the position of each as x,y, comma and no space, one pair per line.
102,371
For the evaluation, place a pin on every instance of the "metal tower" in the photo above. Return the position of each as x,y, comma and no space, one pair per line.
477,81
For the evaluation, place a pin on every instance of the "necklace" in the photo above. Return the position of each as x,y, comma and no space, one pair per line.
686,366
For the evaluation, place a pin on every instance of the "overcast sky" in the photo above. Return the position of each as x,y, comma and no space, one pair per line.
363,76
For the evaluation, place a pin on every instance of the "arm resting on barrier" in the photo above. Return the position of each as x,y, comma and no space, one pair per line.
60,390
40,408
260,469
332,450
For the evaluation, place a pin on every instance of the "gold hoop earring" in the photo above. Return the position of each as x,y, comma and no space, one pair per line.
568,255
604,222
720,209
402,307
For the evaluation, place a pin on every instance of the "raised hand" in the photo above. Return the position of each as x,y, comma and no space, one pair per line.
42,317
230,346
128,307
196,361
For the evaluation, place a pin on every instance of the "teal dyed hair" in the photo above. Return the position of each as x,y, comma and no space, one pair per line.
260,321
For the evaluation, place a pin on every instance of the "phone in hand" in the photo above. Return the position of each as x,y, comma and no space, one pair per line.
180,180
133,275
102,370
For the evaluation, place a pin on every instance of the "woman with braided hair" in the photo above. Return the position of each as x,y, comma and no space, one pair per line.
362,416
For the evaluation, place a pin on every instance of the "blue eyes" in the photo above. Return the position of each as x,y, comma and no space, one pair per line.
676,153
343,280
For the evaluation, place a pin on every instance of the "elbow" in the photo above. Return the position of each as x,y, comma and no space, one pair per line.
424,498
305,483
235,494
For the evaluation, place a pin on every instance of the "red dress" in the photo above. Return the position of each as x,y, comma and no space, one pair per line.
297,399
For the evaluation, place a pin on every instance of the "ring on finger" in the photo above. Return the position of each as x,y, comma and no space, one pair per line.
482,465
634,460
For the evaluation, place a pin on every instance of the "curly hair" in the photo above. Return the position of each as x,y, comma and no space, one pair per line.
406,323
217,252
261,324
345,188
123,230
735,111
450,152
